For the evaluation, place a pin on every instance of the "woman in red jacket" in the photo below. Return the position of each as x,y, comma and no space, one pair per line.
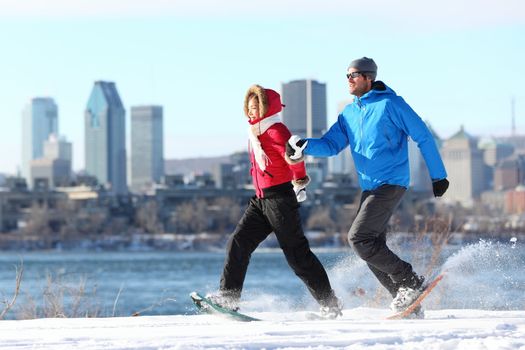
274,208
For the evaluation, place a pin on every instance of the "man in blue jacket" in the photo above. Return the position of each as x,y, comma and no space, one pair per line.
376,126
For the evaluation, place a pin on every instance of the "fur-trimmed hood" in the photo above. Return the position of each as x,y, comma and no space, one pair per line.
269,102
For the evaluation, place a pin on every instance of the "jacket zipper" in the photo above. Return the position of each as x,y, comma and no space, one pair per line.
254,168
362,118
268,173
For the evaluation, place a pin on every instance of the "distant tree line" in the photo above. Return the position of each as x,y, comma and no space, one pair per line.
125,216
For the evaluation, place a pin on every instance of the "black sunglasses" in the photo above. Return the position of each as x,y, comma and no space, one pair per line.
354,75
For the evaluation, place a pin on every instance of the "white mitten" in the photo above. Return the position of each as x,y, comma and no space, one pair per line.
300,194
294,149
299,187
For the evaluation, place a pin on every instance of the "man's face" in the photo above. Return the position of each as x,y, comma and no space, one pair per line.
358,83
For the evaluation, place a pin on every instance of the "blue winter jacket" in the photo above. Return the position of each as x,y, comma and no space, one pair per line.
377,127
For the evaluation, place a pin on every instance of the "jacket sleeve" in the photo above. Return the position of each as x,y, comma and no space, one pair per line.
331,143
281,135
405,118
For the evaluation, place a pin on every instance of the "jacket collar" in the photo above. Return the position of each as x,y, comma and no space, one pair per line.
378,88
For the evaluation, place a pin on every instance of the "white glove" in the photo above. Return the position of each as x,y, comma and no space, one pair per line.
299,187
300,194
294,149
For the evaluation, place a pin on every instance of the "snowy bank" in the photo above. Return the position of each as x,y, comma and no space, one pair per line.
359,328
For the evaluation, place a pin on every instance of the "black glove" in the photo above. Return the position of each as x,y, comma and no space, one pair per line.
439,187
294,149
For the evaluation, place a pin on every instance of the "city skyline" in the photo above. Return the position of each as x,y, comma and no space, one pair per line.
456,64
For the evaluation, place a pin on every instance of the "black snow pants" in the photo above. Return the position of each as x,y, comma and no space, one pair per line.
368,236
277,212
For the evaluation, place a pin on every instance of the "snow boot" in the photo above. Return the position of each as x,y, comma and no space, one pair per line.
224,300
332,309
410,289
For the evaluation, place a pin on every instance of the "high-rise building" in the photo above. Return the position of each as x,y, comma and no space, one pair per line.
241,169
305,114
55,165
494,152
39,120
58,148
305,111
343,163
224,176
509,173
105,137
465,167
147,149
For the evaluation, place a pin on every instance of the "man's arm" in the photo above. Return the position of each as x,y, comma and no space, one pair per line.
331,143
407,119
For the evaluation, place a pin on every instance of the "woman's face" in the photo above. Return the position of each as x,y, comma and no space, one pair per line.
253,108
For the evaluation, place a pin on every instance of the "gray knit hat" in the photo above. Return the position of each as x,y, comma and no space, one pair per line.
365,64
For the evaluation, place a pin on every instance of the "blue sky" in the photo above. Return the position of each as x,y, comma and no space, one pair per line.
456,63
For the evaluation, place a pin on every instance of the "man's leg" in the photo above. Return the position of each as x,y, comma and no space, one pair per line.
251,230
383,277
367,234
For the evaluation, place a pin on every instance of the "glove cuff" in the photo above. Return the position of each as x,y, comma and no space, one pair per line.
301,183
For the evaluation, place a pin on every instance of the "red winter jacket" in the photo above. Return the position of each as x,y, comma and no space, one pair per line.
273,142
277,171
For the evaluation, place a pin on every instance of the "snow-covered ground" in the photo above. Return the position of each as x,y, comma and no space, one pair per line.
359,328
479,304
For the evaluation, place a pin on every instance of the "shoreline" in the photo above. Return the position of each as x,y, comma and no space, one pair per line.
214,242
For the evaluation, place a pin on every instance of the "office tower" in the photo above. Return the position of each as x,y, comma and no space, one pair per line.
464,164
509,173
58,148
494,152
147,150
419,177
105,137
305,115
223,176
54,168
39,120
241,169
305,111
343,163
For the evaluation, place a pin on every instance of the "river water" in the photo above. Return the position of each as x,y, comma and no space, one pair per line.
479,275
